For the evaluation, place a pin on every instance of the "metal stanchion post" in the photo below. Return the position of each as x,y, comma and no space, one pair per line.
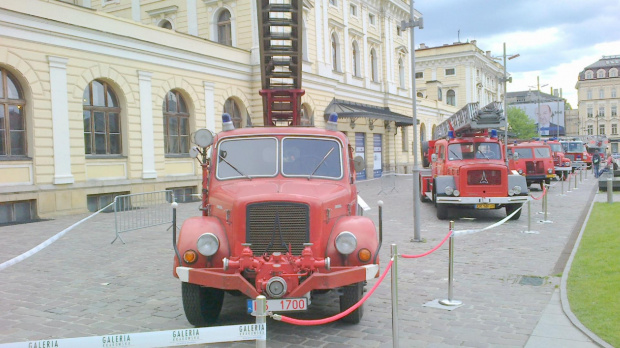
610,186
569,175
394,275
261,314
529,216
546,205
450,301
562,184
581,176
576,180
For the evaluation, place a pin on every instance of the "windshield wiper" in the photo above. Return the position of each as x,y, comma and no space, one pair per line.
483,154
321,163
455,155
235,168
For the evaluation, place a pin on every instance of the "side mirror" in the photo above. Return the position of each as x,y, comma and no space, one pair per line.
434,157
358,163
194,152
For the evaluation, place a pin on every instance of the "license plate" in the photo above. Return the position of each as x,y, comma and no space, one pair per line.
485,206
282,305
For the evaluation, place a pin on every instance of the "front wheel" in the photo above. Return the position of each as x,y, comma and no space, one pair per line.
511,208
202,305
351,295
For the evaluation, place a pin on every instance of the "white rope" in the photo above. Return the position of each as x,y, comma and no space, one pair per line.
463,232
48,242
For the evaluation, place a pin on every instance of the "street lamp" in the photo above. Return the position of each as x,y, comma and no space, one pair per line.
538,101
504,80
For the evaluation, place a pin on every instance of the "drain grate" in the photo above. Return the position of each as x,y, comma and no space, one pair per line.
532,280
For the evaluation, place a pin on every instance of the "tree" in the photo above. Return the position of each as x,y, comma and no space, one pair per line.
520,124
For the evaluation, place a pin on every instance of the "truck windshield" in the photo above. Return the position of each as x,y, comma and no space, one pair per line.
574,146
461,151
542,152
311,157
524,152
556,148
247,158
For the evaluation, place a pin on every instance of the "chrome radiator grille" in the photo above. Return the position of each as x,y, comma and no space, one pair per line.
273,226
484,177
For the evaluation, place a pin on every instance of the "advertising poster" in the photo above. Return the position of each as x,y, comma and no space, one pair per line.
549,118
377,163
360,149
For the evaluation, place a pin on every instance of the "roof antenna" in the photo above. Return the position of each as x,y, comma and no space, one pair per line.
459,35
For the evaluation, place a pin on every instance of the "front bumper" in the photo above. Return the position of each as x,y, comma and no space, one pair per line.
335,278
563,169
478,200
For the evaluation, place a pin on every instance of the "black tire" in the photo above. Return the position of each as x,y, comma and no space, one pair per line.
442,211
351,295
202,305
510,208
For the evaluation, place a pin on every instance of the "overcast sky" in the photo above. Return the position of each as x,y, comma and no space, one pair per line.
555,39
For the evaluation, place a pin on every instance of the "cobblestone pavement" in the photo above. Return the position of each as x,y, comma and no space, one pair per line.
83,286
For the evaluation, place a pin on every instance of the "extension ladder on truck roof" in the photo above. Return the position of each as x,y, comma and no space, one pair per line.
280,58
472,118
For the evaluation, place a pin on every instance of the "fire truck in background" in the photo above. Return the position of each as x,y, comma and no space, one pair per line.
562,164
280,213
468,168
576,151
533,160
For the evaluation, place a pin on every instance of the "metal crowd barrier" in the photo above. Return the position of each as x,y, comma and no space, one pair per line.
141,210
388,182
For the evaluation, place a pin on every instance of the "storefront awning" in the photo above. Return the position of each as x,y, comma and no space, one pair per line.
347,109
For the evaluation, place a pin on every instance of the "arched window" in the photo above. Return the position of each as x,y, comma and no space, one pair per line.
166,24
373,66
224,30
102,122
306,115
401,73
589,74
451,97
613,72
335,53
232,108
355,55
600,74
12,116
176,124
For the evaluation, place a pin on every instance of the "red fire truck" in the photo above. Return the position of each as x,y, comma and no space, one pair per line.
533,160
562,164
468,168
279,204
576,151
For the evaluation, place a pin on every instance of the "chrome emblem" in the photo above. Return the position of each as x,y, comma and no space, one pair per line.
484,178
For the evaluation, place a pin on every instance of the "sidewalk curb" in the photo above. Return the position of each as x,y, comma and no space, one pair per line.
563,291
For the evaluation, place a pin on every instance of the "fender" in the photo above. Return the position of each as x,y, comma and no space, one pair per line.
442,182
193,228
514,180
364,230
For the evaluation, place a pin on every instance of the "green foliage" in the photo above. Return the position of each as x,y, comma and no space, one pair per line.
520,124
594,278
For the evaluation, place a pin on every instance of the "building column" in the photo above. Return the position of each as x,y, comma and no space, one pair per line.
192,18
60,120
209,105
135,10
146,122
255,49
387,25
346,44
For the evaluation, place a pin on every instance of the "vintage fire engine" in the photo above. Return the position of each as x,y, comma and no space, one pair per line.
562,164
533,160
576,151
279,204
468,169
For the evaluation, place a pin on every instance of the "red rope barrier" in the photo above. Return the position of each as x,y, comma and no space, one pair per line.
294,321
541,196
430,251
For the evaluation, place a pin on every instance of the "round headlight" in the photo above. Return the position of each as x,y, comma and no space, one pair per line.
516,189
550,170
520,171
457,193
346,243
207,244
449,190
511,192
